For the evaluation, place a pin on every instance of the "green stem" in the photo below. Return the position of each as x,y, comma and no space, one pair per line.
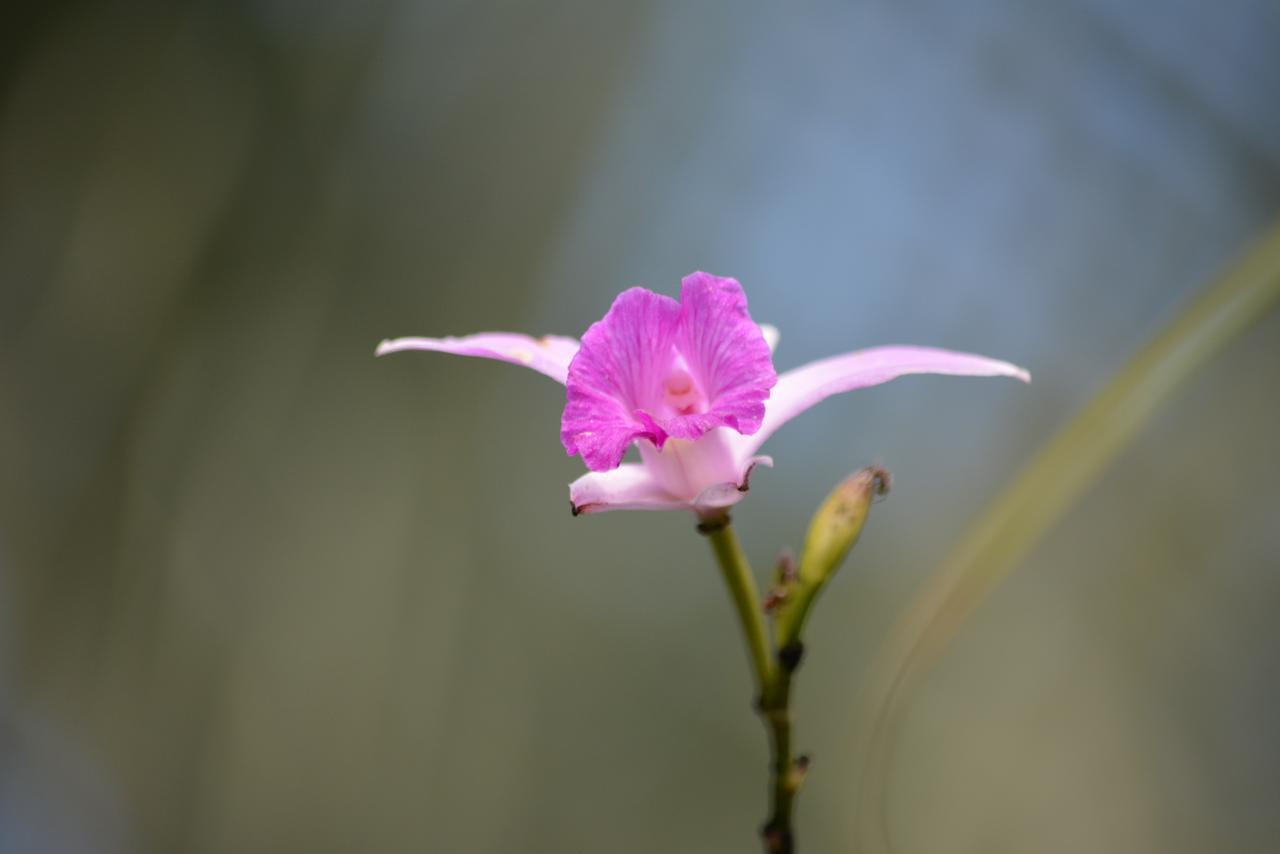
742,588
773,682
787,773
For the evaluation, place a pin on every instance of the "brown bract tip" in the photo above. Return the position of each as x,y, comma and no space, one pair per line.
881,479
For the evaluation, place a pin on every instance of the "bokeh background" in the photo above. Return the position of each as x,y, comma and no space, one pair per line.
262,592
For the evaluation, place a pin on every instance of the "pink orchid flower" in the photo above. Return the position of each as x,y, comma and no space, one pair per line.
691,385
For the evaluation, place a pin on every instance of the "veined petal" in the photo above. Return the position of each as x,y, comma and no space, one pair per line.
615,381
628,487
549,355
654,369
803,387
727,355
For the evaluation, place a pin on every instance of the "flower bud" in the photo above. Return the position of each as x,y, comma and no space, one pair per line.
832,532
838,522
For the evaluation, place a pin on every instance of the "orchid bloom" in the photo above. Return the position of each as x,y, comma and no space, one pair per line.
691,384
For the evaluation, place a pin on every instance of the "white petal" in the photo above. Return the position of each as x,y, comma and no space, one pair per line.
771,335
549,355
628,487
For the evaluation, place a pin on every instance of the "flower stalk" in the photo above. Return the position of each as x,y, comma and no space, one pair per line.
786,771
772,677
832,533
742,590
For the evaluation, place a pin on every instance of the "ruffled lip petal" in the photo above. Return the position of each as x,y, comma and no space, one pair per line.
653,368
549,355
628,487
801,388
617,377
728,354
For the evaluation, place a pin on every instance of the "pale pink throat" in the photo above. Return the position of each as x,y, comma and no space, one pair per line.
683,397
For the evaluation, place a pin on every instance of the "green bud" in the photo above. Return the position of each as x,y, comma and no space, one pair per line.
832,533
838,522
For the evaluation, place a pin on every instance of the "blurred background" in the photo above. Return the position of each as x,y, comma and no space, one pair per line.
262,592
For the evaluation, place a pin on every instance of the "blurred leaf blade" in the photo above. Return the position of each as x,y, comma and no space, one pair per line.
1037,498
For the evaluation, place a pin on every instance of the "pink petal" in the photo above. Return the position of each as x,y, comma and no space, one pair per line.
628,487
727,355
549,355
615,381
655,369
803,387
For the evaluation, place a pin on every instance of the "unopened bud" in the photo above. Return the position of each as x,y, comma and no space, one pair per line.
833,531
838,522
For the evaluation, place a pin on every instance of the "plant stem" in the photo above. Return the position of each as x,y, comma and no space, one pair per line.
787,773
742,588
773,680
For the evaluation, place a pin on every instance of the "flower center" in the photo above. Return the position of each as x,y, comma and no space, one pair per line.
687,467
681,393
